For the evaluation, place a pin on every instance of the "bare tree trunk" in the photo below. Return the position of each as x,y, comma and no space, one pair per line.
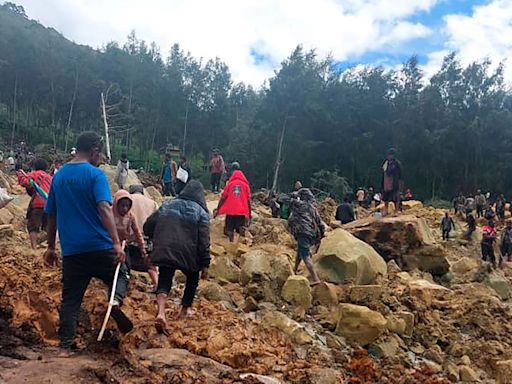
70,115
14,100
185,128
107,141
278,157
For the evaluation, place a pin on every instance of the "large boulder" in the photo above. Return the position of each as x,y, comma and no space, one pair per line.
297,292
342,257
110,171
325,294
222,268
154,194
260,265
359,324
406,239
500,284
288,326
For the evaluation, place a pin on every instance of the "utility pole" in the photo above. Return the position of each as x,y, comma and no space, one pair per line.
107,142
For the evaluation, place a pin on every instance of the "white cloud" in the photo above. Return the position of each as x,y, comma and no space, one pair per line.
485,33
229,29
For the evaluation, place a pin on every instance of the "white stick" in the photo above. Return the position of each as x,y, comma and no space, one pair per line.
111,302
107,141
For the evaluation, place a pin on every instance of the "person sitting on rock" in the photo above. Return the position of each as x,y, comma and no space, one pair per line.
128,230
506,241
180,231
307,228
488,238
36,218
235,203
345,212
447,225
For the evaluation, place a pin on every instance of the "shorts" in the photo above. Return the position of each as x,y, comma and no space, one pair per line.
235,224
303,247
389,196
36,219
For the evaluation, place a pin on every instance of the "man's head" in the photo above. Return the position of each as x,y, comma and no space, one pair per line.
136,188
346,199
215,152
491,223
235,166
391,154
297,185
168,156
479,192
40,165
446,215
124,156
123,206
183,159
89,146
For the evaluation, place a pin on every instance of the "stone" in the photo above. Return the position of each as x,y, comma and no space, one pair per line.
434,355
325,376
504,372
342,257
221,267
260,378
6,217
333,341
297,292
6,231
411,204
434,367
429,258
359,324
288,326
255,264
467,374
452,372
325,294
217,250
365,293
465,360
396,325
154,194
214,292
110,171
497,281
251,305
425,290
464,265
385,348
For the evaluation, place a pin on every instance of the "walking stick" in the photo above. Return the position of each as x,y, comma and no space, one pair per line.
111,302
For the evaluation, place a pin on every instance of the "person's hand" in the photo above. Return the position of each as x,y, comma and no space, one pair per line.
50,257
215,213
120,255
204,273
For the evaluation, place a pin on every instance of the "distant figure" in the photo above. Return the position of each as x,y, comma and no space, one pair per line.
169,171
345,212
180,231
391,180
458,203
123,165
57,164
36,218
183,175
360,195
469,205
217,169
368,199
471,225
488,238
235,203
447,225
408,195
506,241
307,228
500,207
480,202
297,186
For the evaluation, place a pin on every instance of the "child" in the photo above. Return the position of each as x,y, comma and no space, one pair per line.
128,229
36,218
488,238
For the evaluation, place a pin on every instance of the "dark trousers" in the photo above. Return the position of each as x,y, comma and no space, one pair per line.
165,276
446,234
77,271
215,181
479,210
169,189
179,186
488,253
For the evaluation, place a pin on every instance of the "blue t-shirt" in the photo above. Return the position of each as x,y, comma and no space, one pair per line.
167,172
74,195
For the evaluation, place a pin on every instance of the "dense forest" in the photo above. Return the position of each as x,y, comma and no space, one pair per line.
452,132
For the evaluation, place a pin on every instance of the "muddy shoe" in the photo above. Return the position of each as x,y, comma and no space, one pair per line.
123,322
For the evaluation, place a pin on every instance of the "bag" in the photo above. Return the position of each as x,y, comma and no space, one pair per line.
134,259
5,198
182,175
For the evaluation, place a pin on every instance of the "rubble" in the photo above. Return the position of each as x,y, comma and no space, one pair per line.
359,324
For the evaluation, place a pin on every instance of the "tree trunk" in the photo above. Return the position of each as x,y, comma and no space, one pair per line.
107,142
14,100
278,157
185,128
70,115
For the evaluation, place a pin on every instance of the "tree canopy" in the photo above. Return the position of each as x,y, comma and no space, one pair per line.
452,131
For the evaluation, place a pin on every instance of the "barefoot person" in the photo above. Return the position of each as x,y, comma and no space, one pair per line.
391,181
79,206
128,230
180,231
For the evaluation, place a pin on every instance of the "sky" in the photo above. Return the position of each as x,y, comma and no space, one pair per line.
254,36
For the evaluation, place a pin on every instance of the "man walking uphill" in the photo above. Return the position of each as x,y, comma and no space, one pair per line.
79,206
391,180
217,169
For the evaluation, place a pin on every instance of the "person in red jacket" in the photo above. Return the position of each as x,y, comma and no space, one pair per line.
235,203
36,218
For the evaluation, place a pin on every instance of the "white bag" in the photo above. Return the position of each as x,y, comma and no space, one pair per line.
182,175
5,198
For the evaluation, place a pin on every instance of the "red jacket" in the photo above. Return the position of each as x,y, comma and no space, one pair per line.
43,179
237,195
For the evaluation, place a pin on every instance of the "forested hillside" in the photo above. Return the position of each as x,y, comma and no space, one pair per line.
452,132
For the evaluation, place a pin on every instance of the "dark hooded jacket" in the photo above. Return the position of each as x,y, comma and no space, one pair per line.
180,231
304,219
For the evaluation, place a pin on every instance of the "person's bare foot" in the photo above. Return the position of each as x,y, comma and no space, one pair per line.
161,326
186,312
64,353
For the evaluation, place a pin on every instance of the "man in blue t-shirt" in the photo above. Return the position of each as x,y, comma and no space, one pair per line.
79,206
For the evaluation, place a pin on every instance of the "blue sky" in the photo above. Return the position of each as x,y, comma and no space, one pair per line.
254,36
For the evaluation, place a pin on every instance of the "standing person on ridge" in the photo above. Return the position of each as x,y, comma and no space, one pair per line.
471,224
500,206
180,231
447,225
183,175
391,181
488,237
217,169
506,241
123,165
169,170
235,203
36,218
469,205
79,206
480,202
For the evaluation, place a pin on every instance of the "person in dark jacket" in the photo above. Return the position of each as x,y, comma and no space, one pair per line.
180,231
345,212
471,223
391,181
306,226
506,242
447,225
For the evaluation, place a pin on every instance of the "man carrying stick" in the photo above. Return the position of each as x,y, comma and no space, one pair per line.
79,207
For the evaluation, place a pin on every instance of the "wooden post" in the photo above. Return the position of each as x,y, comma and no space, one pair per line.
107,142
278,158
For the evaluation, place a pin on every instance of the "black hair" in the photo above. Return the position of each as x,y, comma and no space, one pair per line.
124,156
183,158
40,164
346,199
168,155
89,140
392,151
